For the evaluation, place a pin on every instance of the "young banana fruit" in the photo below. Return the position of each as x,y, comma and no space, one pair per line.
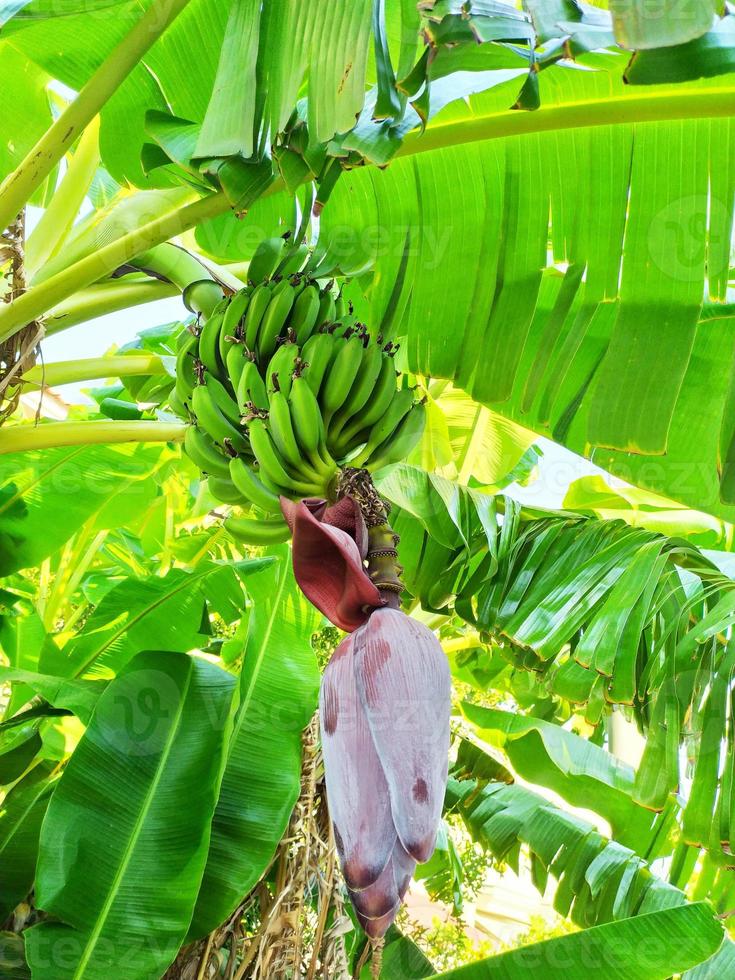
284,384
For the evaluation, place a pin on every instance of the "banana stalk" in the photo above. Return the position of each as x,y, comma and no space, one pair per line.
67,372
34,303
109,296
25,438
57,220
40,160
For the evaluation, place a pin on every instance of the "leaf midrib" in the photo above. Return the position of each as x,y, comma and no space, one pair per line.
477,435
40,478
43,787
136,830
258,662
188,581
696,103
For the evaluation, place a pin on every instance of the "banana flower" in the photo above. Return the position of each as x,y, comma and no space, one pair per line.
384,708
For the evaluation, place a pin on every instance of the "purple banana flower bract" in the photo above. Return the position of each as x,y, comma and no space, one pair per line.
385,707
329,545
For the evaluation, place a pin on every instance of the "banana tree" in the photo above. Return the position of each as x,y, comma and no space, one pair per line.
409,239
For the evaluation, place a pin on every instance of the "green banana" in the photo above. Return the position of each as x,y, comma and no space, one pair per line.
304,315
252,488
400,405
218,427
202,451
235,364
176,405
272,465
308,426
383,392
274,320
341,375
329,391
257,532
226,343
186,375
259,302
119,408
293,261
251,388
281,429
209,343
231,330
266,258
401,441
327,307
361,390
226,491
223,399
281,365
232,320
316,354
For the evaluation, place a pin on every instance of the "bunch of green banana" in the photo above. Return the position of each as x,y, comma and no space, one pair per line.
369,421
283,386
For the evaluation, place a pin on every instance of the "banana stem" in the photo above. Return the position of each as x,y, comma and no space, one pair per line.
90,369
58,218
164,261
25,438
646,107
184,270
383,567
38,299
382,563
112,295
465,642
106,297
17,187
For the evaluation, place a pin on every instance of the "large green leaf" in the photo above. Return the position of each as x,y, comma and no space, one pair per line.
326,45
402,959
562,352
24,641
71,46
709,54
611,949
230,237
598,613
595,880
19,745
125,838
229,125
12,957
279,682
74,695
593,495
21,814
639,24
28,113
145,613
47,495
466,441
442,875
581,772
